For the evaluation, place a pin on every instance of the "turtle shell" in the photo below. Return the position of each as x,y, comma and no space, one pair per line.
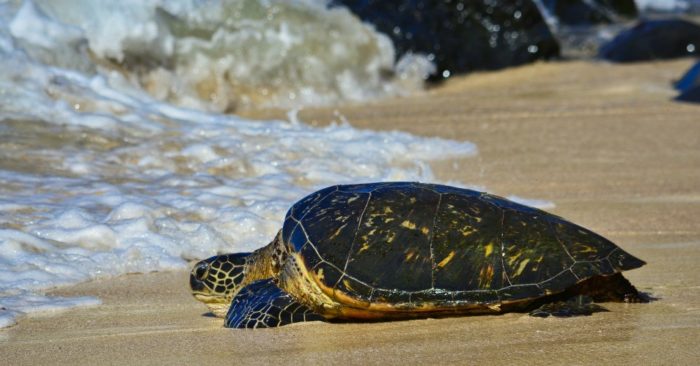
413,243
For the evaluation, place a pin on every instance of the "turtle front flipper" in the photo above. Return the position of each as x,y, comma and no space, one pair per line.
262,304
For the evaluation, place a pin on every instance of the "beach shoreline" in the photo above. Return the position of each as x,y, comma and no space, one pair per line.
604,142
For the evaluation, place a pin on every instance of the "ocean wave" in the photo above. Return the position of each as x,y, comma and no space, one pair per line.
221,55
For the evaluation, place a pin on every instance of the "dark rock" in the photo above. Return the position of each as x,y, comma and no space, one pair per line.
690,79
461,36
582,12
689,85
654,39
690,95
581,26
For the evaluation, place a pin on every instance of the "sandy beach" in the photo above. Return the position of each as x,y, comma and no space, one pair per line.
604,142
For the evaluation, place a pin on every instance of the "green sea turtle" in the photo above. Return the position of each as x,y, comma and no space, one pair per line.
408,250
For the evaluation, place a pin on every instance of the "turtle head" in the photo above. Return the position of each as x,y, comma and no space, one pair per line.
215,281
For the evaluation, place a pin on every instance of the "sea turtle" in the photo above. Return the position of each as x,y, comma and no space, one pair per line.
407,250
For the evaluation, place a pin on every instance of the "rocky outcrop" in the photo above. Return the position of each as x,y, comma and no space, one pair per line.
581,12
654,39
461,36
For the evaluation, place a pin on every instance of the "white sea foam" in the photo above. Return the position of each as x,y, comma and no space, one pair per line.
99,178
221,55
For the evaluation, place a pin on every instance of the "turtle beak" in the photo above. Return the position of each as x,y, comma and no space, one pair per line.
198,275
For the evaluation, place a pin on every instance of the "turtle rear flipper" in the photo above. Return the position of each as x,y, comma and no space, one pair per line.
578,300
262,304
615,288
575,306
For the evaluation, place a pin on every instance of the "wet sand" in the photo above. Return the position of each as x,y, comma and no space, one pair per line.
603,142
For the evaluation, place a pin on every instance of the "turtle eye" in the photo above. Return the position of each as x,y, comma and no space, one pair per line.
201,271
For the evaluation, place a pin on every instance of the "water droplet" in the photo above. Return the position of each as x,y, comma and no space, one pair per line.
446,74
532,48
690,47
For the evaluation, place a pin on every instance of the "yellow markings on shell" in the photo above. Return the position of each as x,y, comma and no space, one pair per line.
537,261
337,231
319,274
409,225
412,199
388,220
390,237
514,258
365,246
347,284
587,249
485,276
521,266
488,249
387,210
410,255
342,218
466,231
425,230
352,199
446,260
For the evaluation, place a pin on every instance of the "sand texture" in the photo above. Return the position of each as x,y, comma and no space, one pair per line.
605,143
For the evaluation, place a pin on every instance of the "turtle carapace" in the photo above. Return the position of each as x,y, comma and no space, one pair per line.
410,250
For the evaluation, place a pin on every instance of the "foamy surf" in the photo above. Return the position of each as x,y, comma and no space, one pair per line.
29,303
100,176
221,55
